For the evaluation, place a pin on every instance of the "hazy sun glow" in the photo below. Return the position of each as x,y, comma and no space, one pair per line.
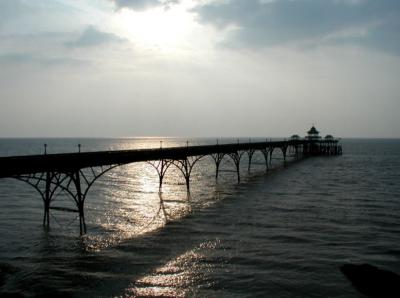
159,27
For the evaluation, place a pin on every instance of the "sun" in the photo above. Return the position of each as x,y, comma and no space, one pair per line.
158,27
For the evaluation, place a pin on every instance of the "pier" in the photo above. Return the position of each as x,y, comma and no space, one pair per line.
75,173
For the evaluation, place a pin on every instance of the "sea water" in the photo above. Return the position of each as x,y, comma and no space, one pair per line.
284,233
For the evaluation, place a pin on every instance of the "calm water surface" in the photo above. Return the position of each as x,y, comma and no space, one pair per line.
284,234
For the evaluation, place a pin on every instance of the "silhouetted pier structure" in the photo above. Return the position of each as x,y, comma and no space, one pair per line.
75,173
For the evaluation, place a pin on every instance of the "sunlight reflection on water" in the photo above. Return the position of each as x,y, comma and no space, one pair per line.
128,203
177,277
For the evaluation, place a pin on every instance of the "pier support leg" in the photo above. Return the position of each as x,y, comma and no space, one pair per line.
270,157
284,151
250,154
238,172
217,159
296,149
163,170
46,201
265,153
80,202
161,167
186,171
82,223
236,157
186,167
187,179
47,183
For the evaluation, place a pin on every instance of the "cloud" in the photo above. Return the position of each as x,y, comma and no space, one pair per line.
93,37
25,58
11,9
144,4
269,23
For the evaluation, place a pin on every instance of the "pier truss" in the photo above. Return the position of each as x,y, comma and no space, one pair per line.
75,173
75,184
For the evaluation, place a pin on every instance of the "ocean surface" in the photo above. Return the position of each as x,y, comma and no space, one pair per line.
281,234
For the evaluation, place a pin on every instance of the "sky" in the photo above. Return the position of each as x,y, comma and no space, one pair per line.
199,68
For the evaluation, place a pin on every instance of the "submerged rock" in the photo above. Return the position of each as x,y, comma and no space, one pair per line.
372,281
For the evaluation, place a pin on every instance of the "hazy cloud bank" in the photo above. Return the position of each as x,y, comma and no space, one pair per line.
91,36
144,4
259,23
